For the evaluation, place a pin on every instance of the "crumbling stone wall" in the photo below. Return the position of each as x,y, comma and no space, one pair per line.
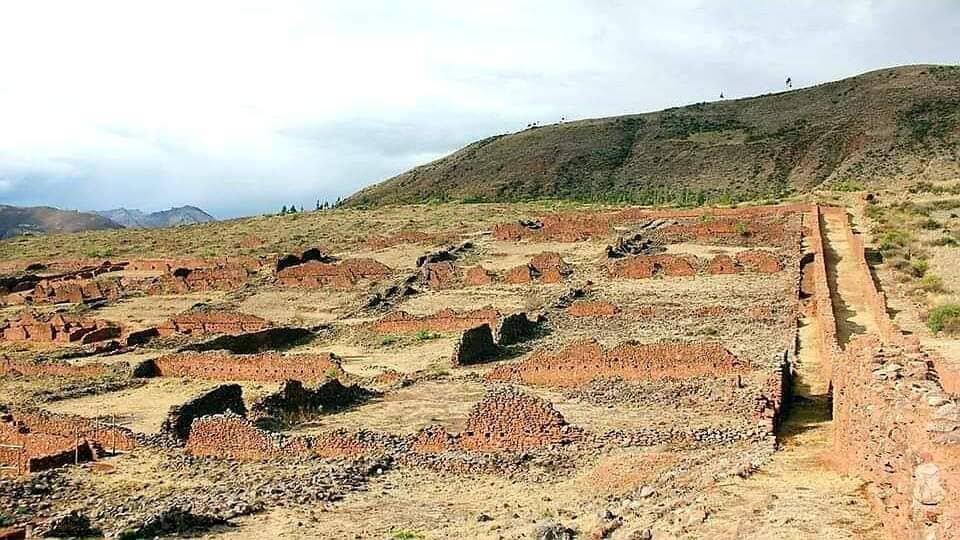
58,327
568,227
408,237
169,265
232,436
438,275
505,420
647,266
517,328
446,320
223,398
474,346
477,276
756,260
665,264
588,308
221,366
99,434
897,428
62,369
75,291
212,322
225,276
548,267
745,231
582,362
293,399
343,275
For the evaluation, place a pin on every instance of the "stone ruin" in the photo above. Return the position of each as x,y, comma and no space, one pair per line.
586,361
638,244
268,339
342,276
517,328
407,237
666,264
475,345
33,440
293,400
446,320
223,366
594,308
312,254
734,231
212,322
569,227
548,267
505,420
9,367
58,328
222,276
476,276
223,398
438,275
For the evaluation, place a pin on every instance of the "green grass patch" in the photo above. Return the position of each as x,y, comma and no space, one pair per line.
945,317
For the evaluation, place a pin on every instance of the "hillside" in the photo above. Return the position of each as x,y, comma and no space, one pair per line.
885,126
44,219
181,215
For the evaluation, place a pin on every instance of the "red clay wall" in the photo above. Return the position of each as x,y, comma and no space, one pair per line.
59,327
342,275
221,366
446,320
585,361
213,322
62,369
69,426
587,308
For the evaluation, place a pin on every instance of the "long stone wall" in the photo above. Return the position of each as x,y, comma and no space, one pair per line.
445,320
59,328
268,367
61,369
663,264
582,362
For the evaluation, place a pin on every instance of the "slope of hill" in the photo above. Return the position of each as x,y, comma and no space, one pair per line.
182,215
880,127
44,219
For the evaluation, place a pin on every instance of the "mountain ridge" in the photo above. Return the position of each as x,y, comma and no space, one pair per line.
180,215
881,126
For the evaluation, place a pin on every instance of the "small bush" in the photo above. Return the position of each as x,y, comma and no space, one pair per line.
919,267
405,534
945,317
332,373
424,335
741,228
932,283
388,340
5,520
894,240
848,185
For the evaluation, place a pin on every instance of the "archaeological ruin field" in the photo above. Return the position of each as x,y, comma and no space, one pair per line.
473,371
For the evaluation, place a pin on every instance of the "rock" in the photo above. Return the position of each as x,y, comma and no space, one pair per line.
484,517
551,530
927,486
73,524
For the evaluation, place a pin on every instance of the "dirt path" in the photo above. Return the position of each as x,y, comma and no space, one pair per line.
797,494
853,316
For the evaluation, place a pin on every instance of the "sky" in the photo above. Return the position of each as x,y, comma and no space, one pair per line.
241,107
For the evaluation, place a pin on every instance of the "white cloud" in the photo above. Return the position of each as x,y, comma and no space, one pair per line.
242,106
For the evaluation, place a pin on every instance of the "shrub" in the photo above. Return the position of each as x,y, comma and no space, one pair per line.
424,335
945,317
405,534
930,224
332,373
741,228
919,267
894,240
5,520
932,283
848,185
388,340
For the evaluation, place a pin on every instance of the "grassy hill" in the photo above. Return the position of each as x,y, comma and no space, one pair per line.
885,126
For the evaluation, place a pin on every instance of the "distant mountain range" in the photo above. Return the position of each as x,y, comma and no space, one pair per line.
15,220
182,215
44,219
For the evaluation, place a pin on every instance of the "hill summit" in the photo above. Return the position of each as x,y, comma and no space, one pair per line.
890,125
181,215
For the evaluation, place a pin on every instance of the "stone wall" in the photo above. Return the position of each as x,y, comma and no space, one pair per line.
343,275
58,327
60,369
517,328
475,345
665,264
221,366
212,322
99,434
446,320
897,429
225,276
293,399
227,397
586,361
